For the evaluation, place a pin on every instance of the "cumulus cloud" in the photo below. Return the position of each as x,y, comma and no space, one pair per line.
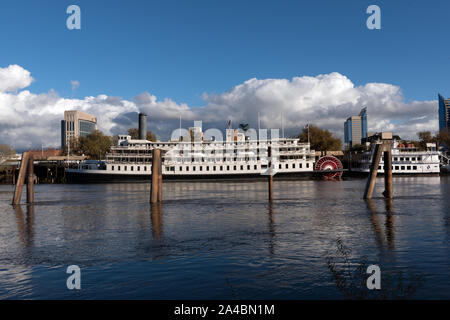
29,120
14,78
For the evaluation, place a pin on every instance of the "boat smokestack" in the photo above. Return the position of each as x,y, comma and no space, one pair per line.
142,126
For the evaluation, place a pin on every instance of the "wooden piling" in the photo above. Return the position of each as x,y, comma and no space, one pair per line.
373,171
160,179
156,167
270,177
21,179
30,180
388,190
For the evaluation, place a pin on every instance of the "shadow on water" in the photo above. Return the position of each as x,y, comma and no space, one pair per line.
350,273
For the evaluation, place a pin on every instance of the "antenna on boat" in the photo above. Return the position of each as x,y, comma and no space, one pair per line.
282,127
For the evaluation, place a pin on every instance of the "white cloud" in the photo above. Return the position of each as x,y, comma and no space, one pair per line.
75,84
29,120
14,78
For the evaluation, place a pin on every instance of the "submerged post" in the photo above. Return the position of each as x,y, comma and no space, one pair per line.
156,167
30,180
388,190
373,171
270,177
21,179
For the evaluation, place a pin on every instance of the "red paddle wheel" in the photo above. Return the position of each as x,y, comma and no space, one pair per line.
329,163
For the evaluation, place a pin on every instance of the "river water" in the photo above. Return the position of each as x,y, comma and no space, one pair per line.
223,240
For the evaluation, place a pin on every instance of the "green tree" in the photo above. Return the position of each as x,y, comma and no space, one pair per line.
6,150
321,140
94,145
426,137
134,133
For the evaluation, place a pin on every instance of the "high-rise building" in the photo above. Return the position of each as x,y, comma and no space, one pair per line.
444,113
76,124
355,129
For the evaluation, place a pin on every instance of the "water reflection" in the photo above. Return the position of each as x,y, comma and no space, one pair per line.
203,232
388,234
271,228
157,220
25,225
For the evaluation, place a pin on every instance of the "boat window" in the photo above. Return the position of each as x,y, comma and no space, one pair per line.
193,168
414,167
402,167
187,168
145,168
207,168
396,167
221,168
112,168
201,168
255,167
214,168
248,167
181,168
307,165
139,168
408,168
413,158
301,165
395,159
401,159
132,168
234,167
125,168
293,166
118,168
242,167
279,166
287,166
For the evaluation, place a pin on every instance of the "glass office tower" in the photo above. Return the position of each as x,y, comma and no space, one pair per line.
444,113
355,129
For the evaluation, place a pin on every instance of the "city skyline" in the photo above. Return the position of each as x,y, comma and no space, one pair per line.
132,59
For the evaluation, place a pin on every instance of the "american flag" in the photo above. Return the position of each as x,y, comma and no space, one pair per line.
228,124
306,126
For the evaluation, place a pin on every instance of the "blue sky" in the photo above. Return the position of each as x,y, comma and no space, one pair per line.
215,60
181,49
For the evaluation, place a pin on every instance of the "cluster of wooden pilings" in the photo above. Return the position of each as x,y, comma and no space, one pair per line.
385,146
26,174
